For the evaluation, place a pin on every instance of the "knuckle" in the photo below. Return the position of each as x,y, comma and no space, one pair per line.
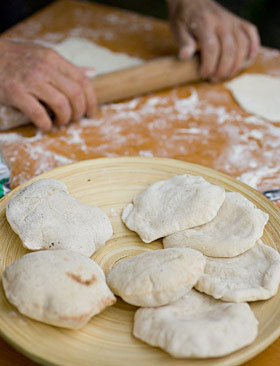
76,93
252,28
210,46
205,18
12,88
60,102
36,113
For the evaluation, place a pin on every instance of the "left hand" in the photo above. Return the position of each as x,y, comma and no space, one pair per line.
226,42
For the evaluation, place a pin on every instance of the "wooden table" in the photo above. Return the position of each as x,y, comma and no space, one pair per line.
197,123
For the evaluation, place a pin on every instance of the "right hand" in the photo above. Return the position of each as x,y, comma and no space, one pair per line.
31,74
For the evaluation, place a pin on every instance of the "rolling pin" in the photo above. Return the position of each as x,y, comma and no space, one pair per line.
148,77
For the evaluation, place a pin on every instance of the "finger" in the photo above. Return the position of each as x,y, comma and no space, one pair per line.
56,101
73,91
227,55
253,35
73,73
91,100
209,49
242,50
33,109
185,40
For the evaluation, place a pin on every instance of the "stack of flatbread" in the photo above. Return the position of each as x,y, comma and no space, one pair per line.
192,295
61,285
212,243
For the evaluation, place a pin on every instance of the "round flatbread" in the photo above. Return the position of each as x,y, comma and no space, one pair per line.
156,277
45,216
236,228
172,205
253,275
58,287
197,326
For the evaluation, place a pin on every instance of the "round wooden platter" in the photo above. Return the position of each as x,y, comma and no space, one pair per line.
107,339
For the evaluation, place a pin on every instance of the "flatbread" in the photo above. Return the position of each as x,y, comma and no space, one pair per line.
157,277
172,205
197,326
236,228
253,275
60,287
258,94
45,216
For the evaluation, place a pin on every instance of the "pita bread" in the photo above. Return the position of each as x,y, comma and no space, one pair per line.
172,205
59,287
235,229
253,275
197,326
156,277
45,216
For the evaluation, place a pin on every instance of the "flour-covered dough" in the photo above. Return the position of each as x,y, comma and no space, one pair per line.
85,53
236,228
197,326
172,205
258,94
45,216
157,277
253,275
60,287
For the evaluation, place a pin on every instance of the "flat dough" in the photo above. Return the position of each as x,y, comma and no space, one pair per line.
84,53
254,275
258,94
157,277
172,205
61,287
197,326
45,216
236,228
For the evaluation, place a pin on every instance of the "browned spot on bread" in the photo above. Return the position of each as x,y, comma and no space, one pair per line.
77,318
108,301
80,280
37,307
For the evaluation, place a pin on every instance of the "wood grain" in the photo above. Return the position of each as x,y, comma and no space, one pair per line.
111,184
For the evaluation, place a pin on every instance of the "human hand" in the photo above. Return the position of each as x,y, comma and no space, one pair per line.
225,41
31,75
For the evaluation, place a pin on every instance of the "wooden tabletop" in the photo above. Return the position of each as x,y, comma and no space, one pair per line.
199,123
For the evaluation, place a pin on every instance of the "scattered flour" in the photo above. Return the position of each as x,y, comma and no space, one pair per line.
113,212
180,125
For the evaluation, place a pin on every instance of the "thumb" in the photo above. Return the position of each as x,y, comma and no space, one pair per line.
186,42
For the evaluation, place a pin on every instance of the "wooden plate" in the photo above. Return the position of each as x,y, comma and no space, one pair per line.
107,339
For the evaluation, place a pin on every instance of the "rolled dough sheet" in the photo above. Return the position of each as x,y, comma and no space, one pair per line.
258,94
84,53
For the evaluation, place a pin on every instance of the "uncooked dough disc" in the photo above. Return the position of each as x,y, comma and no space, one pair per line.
82,52
258,94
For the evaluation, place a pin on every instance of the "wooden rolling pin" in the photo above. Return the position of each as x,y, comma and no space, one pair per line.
151,76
